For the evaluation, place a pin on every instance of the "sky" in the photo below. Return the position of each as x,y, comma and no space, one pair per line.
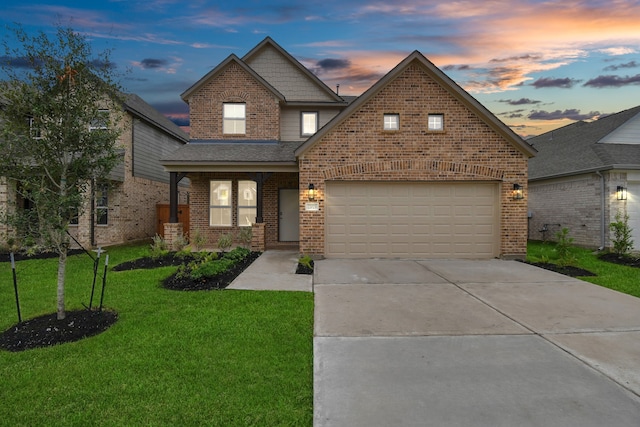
536,65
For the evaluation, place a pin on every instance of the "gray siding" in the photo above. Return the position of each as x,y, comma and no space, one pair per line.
288,79
628,133
149,146
290,124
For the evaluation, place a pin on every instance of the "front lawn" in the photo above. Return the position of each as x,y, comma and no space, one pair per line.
173,358
614,276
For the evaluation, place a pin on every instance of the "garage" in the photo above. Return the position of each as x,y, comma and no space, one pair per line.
633,210
411,219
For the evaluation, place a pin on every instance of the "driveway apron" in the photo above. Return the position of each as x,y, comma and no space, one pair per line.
471,343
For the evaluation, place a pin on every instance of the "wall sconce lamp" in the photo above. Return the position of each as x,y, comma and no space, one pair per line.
311,192
517,192
621,193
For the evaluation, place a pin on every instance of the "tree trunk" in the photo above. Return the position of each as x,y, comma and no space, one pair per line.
62,267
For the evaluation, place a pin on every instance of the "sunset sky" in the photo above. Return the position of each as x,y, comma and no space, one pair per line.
537,65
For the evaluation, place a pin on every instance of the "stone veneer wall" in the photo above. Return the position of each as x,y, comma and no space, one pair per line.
467,150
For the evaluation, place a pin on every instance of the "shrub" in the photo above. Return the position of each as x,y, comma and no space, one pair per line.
198,240
306,261
158,247
563,248
224,242
238,254
180,243
622,242
244,236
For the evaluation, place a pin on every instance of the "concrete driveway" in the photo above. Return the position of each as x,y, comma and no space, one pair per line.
471,343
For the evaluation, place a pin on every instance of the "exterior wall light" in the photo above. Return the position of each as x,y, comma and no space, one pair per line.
621,193
311,192
517,192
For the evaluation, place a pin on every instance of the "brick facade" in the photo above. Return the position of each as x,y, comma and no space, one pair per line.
234,84
575,202
200,200
467,150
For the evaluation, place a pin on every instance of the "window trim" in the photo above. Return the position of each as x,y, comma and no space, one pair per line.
229,206
101,121
435,115
302,122
253,207
233,121
396,116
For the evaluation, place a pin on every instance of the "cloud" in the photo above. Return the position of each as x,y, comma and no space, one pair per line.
632,64
148,63
16,61
332,64
521,101
572,114
616,51
546,82
613,81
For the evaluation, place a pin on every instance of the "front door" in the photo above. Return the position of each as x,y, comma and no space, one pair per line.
289,217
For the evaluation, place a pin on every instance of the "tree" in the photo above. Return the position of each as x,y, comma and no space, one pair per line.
58,134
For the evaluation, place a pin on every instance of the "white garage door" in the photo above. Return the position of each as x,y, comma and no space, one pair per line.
415,220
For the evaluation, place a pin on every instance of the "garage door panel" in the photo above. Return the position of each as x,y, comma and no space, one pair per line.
408,219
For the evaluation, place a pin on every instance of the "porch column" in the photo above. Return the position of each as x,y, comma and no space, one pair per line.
259,178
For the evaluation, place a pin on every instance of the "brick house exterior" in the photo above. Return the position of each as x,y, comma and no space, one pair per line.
133,188
472,153
573,182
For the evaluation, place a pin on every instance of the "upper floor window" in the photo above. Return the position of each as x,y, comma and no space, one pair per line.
392,122
34,129
309,122
100,121
102,204
436,122
234,118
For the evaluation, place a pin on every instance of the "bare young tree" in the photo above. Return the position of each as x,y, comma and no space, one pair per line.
59,128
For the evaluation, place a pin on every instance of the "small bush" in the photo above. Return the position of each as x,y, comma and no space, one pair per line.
306,261
563,248
238,254
198,240
245,235
211,268
622,242
180,243
224,242
158,247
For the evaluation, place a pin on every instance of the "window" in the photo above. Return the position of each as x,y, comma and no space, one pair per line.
102,204
391,121
220,204
309,123
436,122
34,129
100,121
246,203
234,119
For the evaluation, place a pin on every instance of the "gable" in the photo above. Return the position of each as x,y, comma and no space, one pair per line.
288,77
627,133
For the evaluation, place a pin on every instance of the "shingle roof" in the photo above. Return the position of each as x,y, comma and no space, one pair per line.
576,148
229,153
136,105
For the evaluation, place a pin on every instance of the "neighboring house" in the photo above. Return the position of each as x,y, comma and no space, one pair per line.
123,208
583,175
414,167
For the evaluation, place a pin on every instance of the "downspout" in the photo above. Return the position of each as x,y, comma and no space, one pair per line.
602,216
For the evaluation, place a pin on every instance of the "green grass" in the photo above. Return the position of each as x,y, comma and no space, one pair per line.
219,358
618,277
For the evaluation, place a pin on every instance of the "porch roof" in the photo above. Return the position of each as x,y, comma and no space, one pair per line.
210,155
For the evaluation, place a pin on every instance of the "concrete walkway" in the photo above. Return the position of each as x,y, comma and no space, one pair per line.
274,270
471,343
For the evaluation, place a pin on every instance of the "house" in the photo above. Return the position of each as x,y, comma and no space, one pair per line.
414,167
583,175
123,207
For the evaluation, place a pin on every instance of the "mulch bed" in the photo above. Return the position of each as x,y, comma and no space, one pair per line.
47,330
303,269
567,270
220,281
627,260
20,256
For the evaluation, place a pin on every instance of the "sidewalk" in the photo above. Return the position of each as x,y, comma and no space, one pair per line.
274,270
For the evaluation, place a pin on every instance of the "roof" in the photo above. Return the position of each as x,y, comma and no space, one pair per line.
236,155
137,106
579,148
446,82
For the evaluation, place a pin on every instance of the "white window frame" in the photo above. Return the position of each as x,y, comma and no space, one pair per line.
221,203
308,123
102,203
435,122
34,131
391,122
234,118
100,121
247,203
